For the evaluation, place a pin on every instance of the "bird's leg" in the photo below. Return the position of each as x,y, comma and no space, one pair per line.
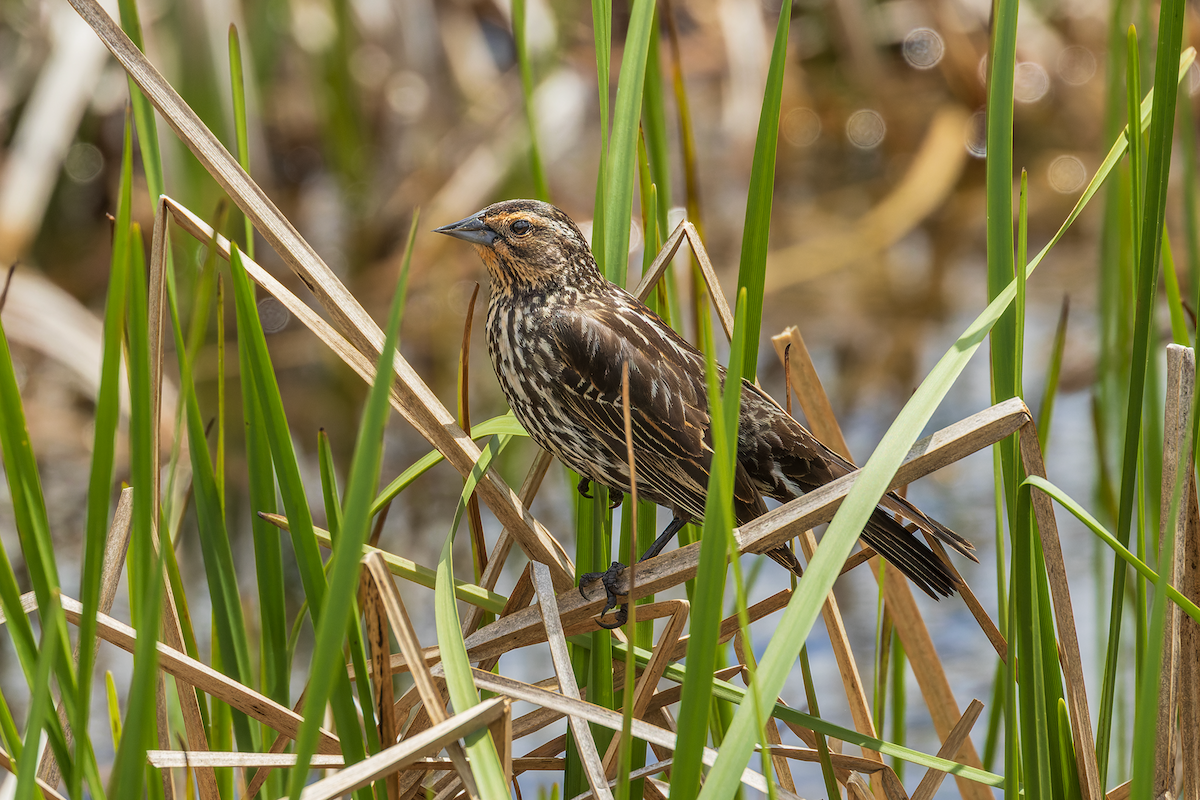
609,576
666,536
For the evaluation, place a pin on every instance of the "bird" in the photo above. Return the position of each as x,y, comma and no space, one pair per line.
559,335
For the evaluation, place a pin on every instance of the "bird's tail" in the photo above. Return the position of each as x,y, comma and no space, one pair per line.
910,555
890,539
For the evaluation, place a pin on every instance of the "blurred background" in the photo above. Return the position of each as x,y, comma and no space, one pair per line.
363,111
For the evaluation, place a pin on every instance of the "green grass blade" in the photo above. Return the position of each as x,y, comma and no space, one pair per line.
1053,370
810,693
1151,226
520,45
143,112
347,551
704,621
256,367
602,31
654,133
237,82
1082,514
329,487
144,568
1179,329
481,750
105,433
1066,751
756,232
268,553
228,617
622,146
344,566
40,708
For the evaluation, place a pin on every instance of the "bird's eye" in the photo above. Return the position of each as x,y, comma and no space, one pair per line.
521,227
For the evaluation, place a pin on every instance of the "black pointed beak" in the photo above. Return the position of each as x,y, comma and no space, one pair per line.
472,229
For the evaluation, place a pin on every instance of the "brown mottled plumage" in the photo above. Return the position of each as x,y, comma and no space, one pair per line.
558,334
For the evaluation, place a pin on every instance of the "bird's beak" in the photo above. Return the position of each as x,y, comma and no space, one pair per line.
472,229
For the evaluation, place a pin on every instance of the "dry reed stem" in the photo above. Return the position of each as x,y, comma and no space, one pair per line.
839,639
548,609
986,624
182,759
655,789
375,630
397,756
48,791
929,784
589,712
892,786
929,672
186,759
277,746
802,376
172,629
203,677
1177,454
1064,617
376,572
648,681
731,624
115,547
783,770
1189,648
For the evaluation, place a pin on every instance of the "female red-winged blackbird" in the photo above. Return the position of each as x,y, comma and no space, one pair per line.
558,334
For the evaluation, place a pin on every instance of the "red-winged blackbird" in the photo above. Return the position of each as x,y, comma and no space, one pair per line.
558,334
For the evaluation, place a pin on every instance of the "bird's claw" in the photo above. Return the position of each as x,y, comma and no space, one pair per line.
584,486
609,579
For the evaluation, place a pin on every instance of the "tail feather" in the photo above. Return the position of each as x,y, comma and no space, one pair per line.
898,546
930,525
910,555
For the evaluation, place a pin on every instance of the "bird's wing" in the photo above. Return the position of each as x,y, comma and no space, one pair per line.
668,405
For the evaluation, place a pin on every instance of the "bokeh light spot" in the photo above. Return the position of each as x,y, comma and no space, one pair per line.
84,162
865,128
1031,82
801,127
1076,65
923,48
1067,174
273,315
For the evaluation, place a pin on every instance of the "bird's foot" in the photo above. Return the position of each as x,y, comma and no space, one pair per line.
609,579
616,500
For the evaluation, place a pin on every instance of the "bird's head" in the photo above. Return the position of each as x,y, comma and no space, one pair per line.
528,245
